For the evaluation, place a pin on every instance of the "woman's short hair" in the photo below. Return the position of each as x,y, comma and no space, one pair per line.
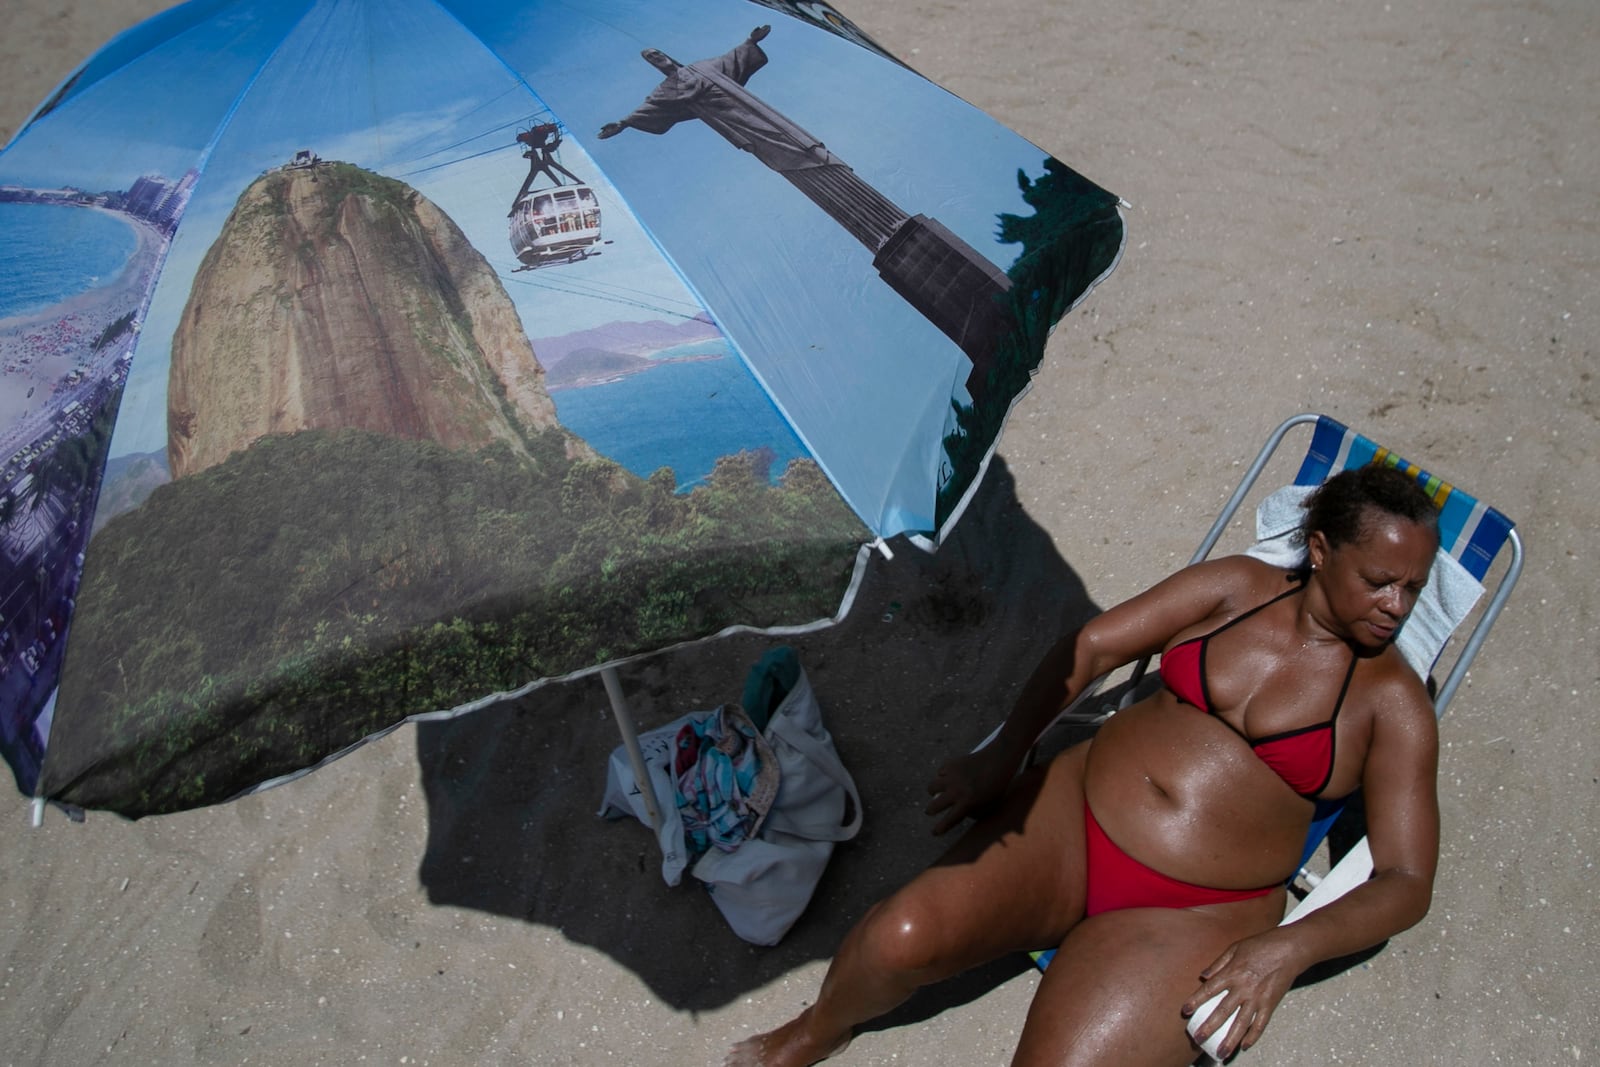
1338,507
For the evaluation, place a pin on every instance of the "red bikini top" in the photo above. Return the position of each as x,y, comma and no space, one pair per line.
1303,758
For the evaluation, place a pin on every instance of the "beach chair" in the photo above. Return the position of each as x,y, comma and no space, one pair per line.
1472,536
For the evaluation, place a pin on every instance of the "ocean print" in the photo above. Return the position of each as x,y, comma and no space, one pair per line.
52,253
684,412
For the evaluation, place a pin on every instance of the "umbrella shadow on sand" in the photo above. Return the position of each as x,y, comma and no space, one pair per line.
926,663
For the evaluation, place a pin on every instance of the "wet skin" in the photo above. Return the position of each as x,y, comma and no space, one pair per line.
1183,793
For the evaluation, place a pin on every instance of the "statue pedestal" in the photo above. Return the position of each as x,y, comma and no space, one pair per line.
954,286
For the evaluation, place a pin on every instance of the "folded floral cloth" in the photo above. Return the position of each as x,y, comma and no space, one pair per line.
726,778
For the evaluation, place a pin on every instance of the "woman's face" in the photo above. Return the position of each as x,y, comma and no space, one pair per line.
1373,582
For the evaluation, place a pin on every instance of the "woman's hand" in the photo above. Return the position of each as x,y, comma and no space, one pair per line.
968,784
1256,973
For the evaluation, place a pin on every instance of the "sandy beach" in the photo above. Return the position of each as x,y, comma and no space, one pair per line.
1387,212
39,349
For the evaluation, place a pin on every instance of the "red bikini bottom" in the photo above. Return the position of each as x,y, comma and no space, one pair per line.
1116,880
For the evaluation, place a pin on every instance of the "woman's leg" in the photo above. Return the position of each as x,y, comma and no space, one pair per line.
1013,882
1113,992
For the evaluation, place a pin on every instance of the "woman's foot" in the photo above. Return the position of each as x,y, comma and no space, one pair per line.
790,1045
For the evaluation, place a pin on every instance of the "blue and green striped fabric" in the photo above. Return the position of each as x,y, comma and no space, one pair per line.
1469,530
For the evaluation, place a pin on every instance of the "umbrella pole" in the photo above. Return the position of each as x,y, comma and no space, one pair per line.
630,741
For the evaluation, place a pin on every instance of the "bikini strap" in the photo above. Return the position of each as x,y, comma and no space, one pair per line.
1349,673
1259,607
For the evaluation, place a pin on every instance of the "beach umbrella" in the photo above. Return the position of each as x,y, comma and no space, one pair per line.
362,362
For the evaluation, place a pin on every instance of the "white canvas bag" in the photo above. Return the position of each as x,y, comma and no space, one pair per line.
762,887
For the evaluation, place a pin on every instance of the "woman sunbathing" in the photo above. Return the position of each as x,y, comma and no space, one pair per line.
1155,854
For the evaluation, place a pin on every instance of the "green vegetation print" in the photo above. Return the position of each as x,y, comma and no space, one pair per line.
1049,276
251,619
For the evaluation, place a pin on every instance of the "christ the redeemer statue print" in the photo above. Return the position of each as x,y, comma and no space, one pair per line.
940,275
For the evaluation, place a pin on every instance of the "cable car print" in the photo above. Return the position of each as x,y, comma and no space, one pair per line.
555,224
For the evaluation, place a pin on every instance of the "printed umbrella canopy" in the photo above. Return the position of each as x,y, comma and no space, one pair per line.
365,361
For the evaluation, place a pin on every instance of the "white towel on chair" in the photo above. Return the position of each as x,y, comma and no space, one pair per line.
1448,597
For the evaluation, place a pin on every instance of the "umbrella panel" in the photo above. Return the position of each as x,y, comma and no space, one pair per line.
329,450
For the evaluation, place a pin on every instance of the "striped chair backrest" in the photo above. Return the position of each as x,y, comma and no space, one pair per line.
1469,530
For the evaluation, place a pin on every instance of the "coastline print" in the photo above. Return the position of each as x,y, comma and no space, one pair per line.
62,368
56,269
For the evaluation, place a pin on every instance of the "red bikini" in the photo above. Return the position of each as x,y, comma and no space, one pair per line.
1116,880
1303,758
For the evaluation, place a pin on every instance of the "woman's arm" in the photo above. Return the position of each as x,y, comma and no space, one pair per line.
1138,627
1399,781
1400,786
